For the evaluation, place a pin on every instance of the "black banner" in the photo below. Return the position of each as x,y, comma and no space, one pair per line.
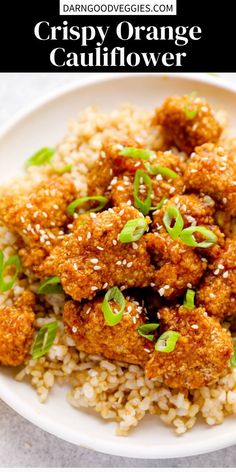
35,38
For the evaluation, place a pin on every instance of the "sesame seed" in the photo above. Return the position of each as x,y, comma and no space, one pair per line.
129,264
224,200
226,274
29,205
79,238
146,349
97,267
56,207
100,248
94,260
129,309
216,272
124,262
134,246
121,212
118,262
88,310
75,266
89,235
114,242
195,326
212,295
93,288
172,190
161,291
105,285
189,285
220,266
74,329
120,187
152,284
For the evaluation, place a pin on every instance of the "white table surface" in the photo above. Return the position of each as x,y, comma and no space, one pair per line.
22,444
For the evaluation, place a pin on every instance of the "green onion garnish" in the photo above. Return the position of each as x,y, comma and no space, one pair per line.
188,238
145,330
64,169
142,178
111,317
97,198
167,341
133,230
51,285
189,300
172,213
190,113
136,153
44,339
160,204
233,358
12,261
155,170
43,156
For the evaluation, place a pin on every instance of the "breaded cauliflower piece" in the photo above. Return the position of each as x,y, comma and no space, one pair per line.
39,217
122,187
110,164
177,265
195,211
92,258
113,175
184,131
17,330
201,353
217,292
212,171
85,323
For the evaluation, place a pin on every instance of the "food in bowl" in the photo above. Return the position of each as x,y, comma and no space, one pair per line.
118,266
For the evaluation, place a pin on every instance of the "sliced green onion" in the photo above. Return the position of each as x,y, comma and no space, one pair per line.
12,261
77,203
172,213
64,169
136,153
111,317
167,341
160,204
188,238
154,170
145,330
189,300
133,230
233,358
43,156
44,339
190,113
51,285
142,178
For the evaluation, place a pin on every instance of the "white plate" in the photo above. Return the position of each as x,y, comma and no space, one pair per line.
45,124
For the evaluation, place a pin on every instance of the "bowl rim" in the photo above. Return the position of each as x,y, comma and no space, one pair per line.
47,424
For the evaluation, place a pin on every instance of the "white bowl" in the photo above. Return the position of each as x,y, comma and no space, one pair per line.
45,124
